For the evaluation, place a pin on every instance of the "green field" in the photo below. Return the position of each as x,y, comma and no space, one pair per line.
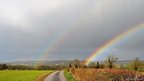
16,75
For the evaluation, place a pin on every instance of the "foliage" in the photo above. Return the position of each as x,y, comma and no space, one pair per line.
39,67
3,66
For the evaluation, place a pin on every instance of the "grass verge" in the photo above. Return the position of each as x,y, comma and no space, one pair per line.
69,76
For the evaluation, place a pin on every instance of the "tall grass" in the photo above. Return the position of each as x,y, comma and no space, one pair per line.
87,74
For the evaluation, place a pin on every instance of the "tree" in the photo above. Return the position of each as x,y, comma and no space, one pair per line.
135,64
76,63
97,65
110,61
3,67
92,65
70,65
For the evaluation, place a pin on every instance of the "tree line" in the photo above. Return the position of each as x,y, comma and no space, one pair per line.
109,62
24,67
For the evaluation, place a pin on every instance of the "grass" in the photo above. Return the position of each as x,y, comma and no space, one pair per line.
21,75
68,76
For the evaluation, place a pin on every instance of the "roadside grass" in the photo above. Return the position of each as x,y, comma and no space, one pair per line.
68,76
89,74
23,75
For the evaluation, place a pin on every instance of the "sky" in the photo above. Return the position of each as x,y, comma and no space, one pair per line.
68,29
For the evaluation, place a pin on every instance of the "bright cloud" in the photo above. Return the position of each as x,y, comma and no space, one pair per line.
16,12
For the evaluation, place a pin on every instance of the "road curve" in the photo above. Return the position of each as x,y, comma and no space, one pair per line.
56,76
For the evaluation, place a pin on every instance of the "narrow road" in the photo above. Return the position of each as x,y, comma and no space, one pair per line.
56,76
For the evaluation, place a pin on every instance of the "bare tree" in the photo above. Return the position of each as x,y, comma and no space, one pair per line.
110,61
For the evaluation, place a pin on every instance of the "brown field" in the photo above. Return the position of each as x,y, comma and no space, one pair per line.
85,74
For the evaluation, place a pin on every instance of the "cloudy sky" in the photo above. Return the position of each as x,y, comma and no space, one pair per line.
68,29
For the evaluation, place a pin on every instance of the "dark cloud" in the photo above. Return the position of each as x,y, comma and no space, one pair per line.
28,28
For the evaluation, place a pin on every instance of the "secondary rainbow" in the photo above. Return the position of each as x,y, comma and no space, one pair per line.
113,42
59,38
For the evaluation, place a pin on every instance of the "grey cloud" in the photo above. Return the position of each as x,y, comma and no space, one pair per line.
89,23
95,30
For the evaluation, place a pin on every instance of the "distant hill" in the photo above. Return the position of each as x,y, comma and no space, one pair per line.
59,62
31,63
